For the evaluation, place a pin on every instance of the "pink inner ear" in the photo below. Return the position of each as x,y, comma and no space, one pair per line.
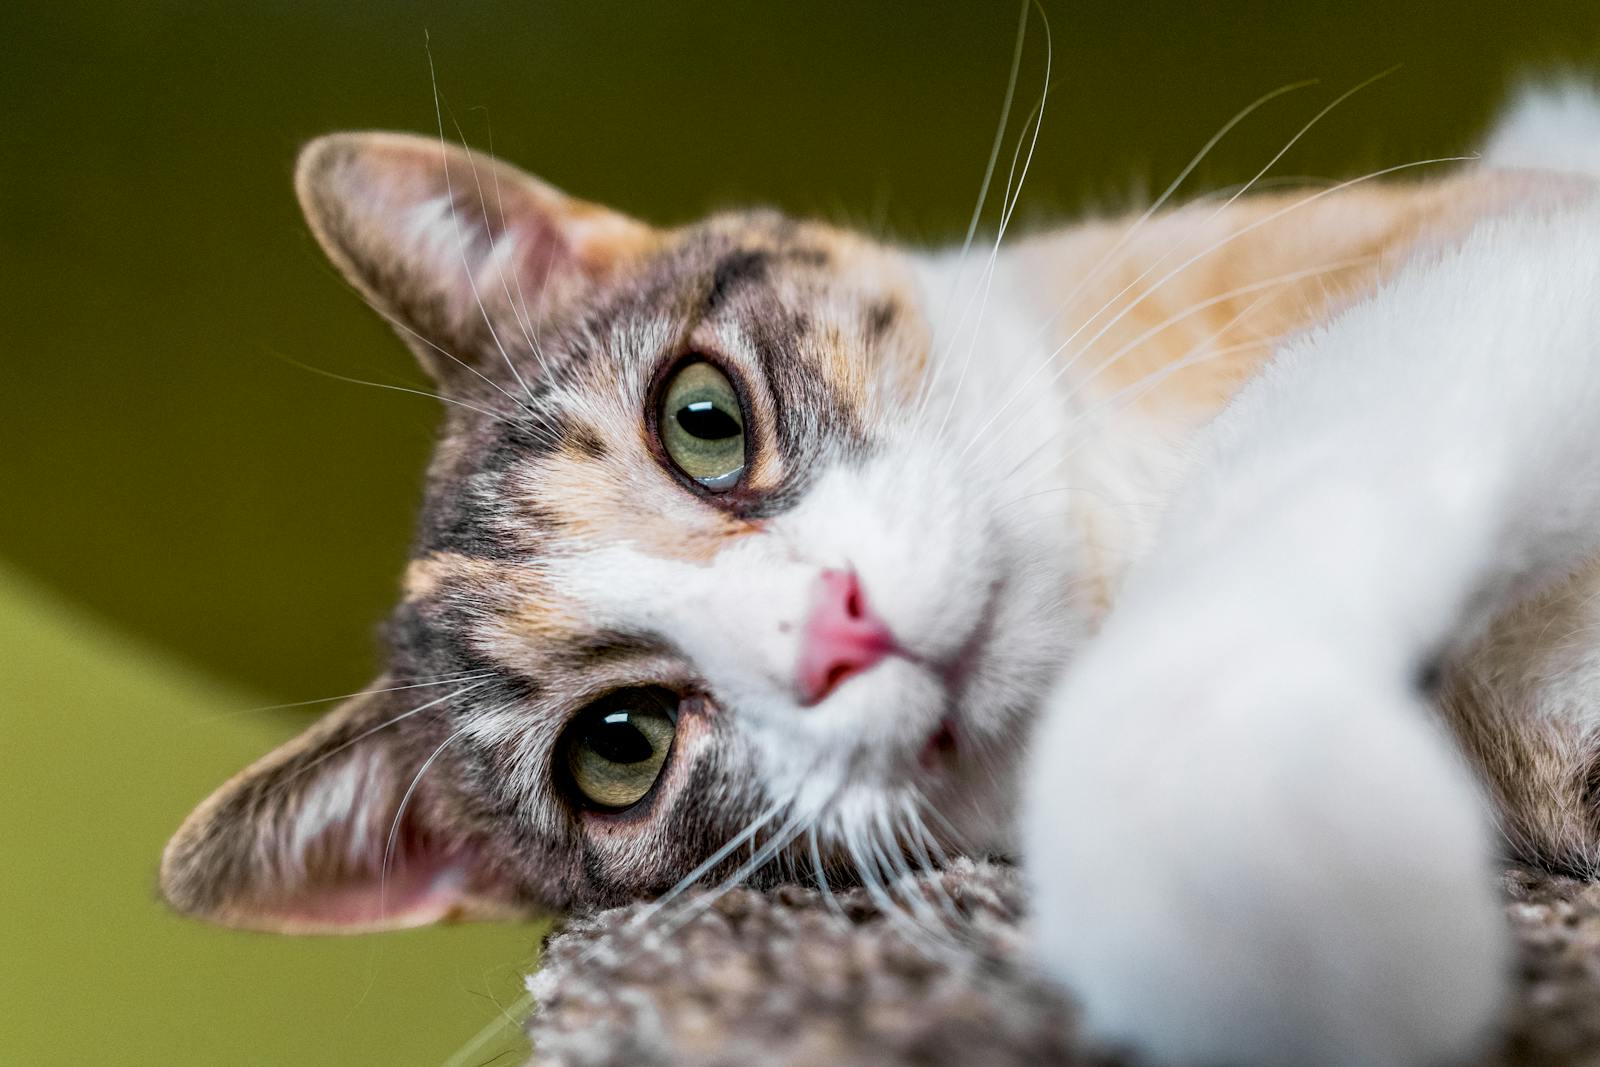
426,889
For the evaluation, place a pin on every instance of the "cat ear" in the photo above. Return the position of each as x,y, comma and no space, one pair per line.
454,247
337,831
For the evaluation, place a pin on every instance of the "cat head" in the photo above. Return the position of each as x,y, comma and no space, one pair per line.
701,551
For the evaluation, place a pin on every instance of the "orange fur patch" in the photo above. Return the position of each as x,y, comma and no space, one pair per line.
1194,300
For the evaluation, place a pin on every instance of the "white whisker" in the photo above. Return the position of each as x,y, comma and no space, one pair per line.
1022,387
455,218
524,324
689,880
1008,208
1108,258
1174,319
828,899
497,416
988,176
446,679
918,839
394,827
534,415
696,905
363,735
1191,261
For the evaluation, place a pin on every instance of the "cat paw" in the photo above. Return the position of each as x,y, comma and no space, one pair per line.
1250,852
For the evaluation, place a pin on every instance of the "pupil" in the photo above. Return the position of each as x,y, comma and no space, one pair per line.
616,740
703,419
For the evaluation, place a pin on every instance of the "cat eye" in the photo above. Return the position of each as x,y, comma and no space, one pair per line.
701,425
616,747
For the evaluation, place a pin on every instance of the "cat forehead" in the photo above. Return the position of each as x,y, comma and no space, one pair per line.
815,288
816,326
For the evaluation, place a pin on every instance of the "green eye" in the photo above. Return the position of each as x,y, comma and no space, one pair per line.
702,425
616,747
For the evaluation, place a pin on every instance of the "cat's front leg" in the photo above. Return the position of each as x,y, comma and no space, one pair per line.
1249,843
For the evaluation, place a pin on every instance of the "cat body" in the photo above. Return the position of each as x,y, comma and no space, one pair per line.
757,546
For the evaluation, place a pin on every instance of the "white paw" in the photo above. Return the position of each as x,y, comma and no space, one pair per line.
1245,852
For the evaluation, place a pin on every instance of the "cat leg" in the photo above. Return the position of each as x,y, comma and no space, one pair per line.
1249,839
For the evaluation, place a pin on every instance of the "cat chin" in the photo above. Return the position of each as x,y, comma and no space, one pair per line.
957,761
967,810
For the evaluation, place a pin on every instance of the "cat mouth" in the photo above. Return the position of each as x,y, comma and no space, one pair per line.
942,746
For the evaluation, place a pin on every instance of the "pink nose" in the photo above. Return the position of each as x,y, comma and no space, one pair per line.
841,638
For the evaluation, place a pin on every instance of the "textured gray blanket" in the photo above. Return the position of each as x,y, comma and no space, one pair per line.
790,978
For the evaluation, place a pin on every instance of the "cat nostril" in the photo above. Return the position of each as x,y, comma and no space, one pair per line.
841,637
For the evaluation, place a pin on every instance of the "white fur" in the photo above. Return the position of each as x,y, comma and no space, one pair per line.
1549,127
1248,841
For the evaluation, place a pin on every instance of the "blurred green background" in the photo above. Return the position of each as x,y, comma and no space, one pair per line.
192,526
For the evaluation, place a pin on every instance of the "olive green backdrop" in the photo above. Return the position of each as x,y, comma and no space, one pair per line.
193,525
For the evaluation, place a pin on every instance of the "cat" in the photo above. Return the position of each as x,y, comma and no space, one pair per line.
1238,548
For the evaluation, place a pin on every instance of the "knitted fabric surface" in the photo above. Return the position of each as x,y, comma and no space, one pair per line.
792,977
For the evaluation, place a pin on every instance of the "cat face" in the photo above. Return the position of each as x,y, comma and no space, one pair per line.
702,550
